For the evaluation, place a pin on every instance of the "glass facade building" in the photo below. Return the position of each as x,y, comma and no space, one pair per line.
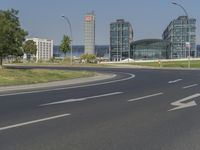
198,51
181,36
149,49
89,40
121,36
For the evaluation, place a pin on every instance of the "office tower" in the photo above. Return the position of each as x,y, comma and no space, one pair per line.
181,36
121,36
89,21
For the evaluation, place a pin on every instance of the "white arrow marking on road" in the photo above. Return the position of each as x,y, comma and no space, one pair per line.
180,103
170,82
81,99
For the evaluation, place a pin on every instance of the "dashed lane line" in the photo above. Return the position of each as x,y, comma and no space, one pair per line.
145,97
190,86
33,122
80,99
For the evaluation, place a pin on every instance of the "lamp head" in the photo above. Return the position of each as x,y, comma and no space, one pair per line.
174,3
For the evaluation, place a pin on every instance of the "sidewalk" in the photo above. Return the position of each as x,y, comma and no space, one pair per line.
98,77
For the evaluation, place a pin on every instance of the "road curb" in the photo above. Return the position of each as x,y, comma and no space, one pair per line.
98,77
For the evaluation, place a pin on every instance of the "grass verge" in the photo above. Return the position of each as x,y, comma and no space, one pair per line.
170,64
64,64
32,76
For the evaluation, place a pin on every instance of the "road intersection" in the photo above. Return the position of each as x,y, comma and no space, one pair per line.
136,109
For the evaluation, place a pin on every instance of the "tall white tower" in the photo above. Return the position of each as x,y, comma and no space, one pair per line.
89,40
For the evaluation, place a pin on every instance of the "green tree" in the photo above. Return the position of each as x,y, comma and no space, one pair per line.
65,44
30,48
11,34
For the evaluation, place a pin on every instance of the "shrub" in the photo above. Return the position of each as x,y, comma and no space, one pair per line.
88,58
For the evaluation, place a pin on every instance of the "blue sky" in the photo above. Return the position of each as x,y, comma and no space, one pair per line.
42,18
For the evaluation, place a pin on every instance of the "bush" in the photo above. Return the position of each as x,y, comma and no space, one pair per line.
39,61
88,58
17,60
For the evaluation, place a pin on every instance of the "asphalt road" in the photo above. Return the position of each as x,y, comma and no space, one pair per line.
137,110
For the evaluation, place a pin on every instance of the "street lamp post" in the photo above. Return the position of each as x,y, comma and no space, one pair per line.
70,34
179,5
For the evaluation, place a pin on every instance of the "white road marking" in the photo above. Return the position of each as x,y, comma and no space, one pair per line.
145,97
80,99
32,122
180,103
190,86
66,88
170,82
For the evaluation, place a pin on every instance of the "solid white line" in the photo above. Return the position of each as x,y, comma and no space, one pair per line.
73,87
175,81
190,86
145,97
32,122
80,99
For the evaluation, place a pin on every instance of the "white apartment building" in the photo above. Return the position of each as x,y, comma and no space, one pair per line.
44,48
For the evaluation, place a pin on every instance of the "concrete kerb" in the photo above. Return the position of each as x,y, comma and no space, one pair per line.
129,66
149,67
69,82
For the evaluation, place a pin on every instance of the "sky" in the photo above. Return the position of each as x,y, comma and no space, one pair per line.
149,18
